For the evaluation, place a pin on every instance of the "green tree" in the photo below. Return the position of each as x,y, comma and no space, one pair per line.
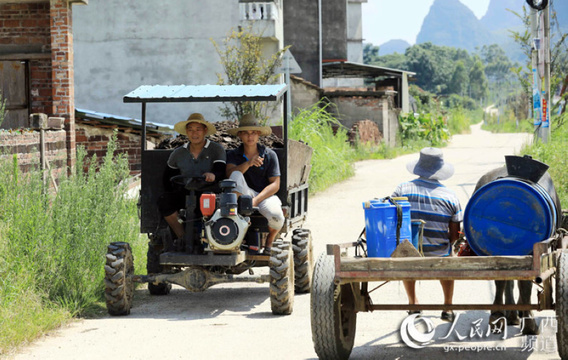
477,81
370,53
460,79
244,64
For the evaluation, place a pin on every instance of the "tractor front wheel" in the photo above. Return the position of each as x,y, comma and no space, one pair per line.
281,278
119,287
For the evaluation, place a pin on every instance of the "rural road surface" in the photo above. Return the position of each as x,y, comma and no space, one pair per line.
234,321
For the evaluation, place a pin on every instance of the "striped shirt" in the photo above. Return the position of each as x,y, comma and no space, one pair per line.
437,205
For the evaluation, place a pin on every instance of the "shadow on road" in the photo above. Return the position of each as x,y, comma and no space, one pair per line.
182,304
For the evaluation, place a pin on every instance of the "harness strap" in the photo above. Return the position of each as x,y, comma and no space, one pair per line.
398,217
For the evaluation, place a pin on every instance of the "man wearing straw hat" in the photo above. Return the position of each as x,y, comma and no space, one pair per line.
198,158
439,207
256,171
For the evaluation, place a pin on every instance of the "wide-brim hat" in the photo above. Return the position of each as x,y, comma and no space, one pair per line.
197,118
431,165
250,123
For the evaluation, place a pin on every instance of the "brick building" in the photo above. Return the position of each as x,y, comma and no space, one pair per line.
36,69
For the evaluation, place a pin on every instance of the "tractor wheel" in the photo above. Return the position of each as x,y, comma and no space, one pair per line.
333,316
119,287
303,259
153,267
281,278
562,304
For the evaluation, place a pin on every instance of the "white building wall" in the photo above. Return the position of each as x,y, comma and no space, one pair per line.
122,44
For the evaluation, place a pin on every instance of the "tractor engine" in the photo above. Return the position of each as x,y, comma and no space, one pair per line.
226,228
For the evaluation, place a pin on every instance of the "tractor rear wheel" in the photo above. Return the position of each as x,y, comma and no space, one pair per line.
303,259
281,278
333,313
153,267
562,304
119,287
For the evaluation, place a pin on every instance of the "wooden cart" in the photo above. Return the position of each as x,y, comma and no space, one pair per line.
340,287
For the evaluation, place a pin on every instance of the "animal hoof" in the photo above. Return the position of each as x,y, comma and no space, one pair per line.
513,318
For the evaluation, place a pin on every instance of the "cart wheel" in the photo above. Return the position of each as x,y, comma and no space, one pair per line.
562,304
333,316
281,278
119,287
303,259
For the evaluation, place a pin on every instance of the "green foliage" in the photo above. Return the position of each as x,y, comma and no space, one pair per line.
460,80
53,245
2,108
427,127
370,53
332,159
554,154
477,81
244,64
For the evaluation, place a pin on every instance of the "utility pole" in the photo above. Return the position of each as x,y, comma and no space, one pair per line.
546,99
540,61
537,114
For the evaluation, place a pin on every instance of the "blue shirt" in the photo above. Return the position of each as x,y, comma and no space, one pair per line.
256,177
437,205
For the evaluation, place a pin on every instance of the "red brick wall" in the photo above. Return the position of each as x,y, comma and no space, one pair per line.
95,141
27,146
62,70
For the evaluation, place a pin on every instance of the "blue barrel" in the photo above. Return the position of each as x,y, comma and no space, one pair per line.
508,215
381,223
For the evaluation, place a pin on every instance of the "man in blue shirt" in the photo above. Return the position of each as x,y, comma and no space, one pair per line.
439,207
256,171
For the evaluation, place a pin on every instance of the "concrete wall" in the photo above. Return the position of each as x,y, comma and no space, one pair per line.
304,94
334,28
301,30
122,44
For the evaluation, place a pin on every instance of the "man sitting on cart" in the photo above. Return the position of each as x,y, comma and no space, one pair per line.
256,171
198,158
439,207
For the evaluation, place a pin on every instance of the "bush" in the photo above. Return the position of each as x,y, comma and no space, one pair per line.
53,245
426,127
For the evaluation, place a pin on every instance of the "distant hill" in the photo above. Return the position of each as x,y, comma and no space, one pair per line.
451,23
393,46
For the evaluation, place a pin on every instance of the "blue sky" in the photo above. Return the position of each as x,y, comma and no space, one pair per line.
380,26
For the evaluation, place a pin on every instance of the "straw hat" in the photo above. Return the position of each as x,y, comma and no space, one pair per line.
196,118
431,165
249,122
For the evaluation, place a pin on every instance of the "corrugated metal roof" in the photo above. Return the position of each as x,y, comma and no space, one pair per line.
205,93
348,69
125,121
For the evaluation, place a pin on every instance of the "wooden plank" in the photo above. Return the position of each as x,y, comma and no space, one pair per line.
470,263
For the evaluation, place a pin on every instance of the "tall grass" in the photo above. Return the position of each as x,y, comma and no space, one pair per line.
332,160
52,246
554,154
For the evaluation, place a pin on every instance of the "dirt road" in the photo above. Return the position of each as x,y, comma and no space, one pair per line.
234,321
